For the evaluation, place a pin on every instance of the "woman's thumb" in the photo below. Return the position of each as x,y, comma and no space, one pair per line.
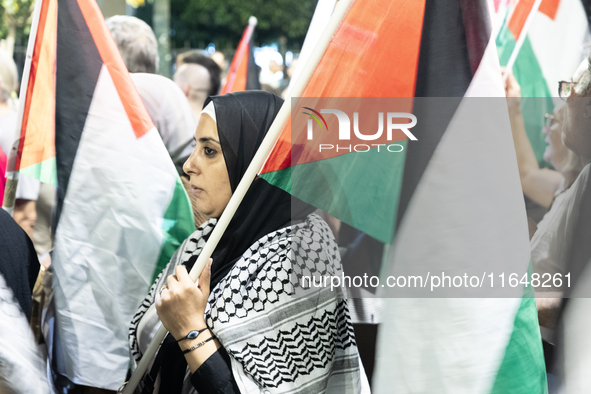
205,277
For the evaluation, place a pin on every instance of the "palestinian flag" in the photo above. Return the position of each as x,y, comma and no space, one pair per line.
243,74
121,208
448,201
553,46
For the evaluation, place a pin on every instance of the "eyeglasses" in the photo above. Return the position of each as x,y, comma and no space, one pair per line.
565,89
548,119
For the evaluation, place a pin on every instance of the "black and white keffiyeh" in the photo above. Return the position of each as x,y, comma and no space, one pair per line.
277,342
281,336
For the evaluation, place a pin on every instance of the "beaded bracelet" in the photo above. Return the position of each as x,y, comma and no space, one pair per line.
193,334
198,345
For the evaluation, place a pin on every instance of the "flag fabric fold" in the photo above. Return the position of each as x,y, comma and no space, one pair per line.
121,208
361,44
554,46
453,195
36,149
243,74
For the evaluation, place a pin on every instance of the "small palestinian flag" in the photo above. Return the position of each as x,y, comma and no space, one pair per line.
449,199
243,74
121,208
553,46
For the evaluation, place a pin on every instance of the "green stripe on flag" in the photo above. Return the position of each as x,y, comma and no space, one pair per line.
522,369
536,98
178,224
45,171
281,178
360,188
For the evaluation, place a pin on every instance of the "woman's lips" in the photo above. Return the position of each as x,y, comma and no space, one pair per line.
196,190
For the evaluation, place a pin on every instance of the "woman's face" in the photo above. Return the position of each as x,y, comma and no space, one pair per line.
206,168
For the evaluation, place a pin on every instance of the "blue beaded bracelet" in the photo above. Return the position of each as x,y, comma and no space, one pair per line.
193,334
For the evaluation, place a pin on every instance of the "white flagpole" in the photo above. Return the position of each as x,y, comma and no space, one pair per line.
521,39
251,172
11,174
320,19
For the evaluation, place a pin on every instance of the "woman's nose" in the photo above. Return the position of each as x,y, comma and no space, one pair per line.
189,166
186,167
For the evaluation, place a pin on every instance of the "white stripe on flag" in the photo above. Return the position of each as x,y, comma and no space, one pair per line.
560,44
108,238
467,213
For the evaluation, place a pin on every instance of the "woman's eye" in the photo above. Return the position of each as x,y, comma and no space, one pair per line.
209,151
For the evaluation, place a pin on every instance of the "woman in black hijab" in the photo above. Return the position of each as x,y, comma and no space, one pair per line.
249,333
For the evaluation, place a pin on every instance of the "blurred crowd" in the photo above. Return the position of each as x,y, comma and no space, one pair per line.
175,107
559,192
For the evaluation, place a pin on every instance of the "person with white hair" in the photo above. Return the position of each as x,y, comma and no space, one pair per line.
166,104
136,42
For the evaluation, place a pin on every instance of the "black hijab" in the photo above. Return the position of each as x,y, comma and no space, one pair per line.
243,120
18,261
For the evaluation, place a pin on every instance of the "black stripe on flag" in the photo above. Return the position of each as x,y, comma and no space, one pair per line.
587,7
477,28
77,70
449,51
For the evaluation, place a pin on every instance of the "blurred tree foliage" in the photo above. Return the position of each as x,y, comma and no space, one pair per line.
199,22
15,17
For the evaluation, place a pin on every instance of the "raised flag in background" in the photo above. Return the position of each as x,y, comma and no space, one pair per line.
121,208
551,51
36,150
243,74
447,202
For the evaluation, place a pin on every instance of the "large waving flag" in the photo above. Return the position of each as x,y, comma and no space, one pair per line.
121,208
344,61
553,46
445,202
243,74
